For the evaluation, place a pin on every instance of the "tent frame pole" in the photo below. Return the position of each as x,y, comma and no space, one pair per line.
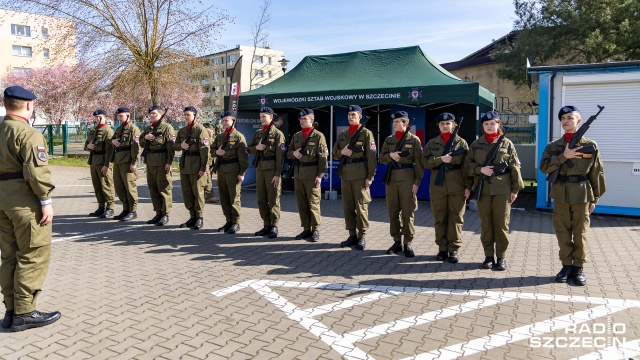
331,194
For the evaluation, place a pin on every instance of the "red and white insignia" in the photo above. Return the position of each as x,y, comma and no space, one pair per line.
205,141
283,147
42,155
373,147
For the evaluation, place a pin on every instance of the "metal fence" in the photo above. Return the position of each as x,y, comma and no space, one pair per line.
518,128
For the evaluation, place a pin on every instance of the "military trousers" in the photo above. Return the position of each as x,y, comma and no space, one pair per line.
308,199
571,222
355,201
160,184
448,211
229,189
208,188
193,193
268,197
25,248
125,185
401,204
103,186
495,214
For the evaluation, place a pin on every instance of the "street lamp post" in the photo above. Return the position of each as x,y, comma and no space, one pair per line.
284,63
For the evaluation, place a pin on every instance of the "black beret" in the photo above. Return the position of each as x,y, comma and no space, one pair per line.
99,112
18,92
354,108
399,114
267,110
228,113
305,112
192,109
567,109
489,115
446,117
155,107
121,110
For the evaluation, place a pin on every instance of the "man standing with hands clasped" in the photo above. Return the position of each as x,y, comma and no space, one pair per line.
99,144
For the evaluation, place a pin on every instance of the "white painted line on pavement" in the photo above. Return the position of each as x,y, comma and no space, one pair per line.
625,351
56,240
345,304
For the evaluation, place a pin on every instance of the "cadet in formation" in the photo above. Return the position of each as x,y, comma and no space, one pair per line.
158,140
356,149
402,151
231,162
25,213
451,190
193,141
99,144
213,130
309,150
499,190
269,149
575,193
125,169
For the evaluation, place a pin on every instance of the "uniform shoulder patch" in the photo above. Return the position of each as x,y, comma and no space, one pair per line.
42,154
373,146
137,139
205,141
283,147
173,138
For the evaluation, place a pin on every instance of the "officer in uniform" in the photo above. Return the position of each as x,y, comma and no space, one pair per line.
25,213
268,144
575,194
404,181
494,206
231,152
309,147
99,144
209,196
158,158
448,201
356,176
125,169
193,141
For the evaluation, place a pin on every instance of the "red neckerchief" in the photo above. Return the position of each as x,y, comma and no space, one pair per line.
567,136
353,128
399,135
306,132
228,131
154,123
190,125
446,136
264,128
100,126
491,137
21,117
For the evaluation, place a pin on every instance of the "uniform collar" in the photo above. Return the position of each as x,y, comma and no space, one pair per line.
18,117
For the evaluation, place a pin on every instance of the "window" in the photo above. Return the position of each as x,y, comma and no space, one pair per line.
222,60
21,50
258,73
269,60
269,74
21,69
232,58
222,74
257,59
216,61
222,88
45,33
46,53
20,30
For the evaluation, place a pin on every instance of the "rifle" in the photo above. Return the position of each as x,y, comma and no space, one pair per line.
154,132
115,149
573,143
490,157
259,155
352,142
216,165
95,136
439,181
394,164
297,161
188,140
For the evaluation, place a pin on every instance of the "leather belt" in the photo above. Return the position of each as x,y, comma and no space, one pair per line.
151,151
11,176
355,161
123,148
268,158
190,153
98,152
572,179
311,163
405,166
448,167
230,161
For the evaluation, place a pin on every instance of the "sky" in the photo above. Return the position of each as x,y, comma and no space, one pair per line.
446,30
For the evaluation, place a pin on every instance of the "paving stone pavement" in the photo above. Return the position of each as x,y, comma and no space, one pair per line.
131,290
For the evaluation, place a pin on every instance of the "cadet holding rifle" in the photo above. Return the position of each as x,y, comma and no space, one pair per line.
125,159
494,164
356,150
309,150
231,162
269,148
99,144
450,187
193,141
575,192
403,152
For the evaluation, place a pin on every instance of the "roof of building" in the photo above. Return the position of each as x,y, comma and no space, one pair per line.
481,56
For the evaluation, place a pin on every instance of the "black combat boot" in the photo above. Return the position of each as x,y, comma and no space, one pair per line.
501,264
315,235
395,248
351,241
98,212
442,255
155,219
163,220
130,216
33,319
273,233
8,319
488,262
453,257
264,231
121,215
362,244
233,229
189,223
408,251
303,235
224,228
578,276
107,214
199,224
563,275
